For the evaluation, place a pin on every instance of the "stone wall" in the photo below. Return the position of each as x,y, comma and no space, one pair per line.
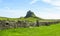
23,24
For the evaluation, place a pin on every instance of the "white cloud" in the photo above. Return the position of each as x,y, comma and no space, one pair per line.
53,2
33,1
48,13
48,1
7,8
12,13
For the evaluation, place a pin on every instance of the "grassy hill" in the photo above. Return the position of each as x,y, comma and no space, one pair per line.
53,30
10,19
30,19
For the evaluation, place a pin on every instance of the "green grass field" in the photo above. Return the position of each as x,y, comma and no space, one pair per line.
52,30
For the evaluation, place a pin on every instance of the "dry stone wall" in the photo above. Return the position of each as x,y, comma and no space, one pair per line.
23,24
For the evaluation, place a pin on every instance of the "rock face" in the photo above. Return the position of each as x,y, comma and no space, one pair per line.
30,14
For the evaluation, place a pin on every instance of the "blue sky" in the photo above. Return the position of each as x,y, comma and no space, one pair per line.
47,9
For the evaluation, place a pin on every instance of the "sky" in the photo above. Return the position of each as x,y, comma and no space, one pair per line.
47,9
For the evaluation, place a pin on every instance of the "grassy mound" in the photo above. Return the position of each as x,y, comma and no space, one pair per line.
53,30
30,19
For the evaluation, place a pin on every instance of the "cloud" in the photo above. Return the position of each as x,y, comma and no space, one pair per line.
7,8
47,1
52,2
13,13
33,1
48,13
